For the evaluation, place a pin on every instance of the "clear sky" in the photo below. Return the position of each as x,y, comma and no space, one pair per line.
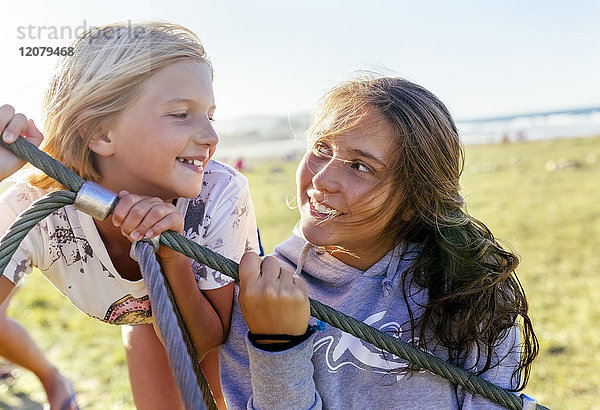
482,58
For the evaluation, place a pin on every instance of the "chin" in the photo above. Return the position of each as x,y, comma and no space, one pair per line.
316,236
189,195
189,191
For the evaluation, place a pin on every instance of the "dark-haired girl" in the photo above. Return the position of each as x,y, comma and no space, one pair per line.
383,237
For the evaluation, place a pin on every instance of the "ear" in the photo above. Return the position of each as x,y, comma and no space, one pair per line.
102,144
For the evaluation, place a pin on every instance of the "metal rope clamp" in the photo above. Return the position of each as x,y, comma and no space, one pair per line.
95,200
155,242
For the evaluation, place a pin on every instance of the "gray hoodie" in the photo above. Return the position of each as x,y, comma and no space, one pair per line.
335,370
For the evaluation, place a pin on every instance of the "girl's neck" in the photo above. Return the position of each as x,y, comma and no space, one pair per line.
118,247
361,260
118,183
109,232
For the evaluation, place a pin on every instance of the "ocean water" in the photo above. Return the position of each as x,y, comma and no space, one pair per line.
546,125
281,148
558,124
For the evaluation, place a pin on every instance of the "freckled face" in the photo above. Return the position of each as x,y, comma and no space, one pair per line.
164,141
341,187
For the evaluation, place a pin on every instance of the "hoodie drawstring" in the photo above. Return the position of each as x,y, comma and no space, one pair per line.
302,258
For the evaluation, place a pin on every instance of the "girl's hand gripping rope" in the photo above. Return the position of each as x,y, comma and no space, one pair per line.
272,299
12,125
141,217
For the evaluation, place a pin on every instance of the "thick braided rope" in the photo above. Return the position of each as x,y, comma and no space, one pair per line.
181,362
167,323
200,379
162,307
457,375
435,365
72,181
28,219
53,168
376,337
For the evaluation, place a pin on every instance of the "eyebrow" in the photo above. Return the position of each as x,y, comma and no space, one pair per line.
181,99
185,100
366,155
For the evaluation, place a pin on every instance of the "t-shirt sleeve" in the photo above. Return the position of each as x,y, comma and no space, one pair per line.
229,229
12,203
505,361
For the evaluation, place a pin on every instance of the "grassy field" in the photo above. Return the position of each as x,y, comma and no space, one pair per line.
542,199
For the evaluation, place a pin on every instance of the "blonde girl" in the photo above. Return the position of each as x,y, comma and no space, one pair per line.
132,109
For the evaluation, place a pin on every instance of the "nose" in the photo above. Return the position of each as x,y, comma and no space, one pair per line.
328,177
206,135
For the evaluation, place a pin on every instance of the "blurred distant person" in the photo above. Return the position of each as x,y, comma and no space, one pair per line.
239,164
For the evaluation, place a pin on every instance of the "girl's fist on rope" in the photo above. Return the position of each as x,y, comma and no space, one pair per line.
140,216
272,300
12,125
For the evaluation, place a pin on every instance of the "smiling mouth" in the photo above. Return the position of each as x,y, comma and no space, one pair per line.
322,209
195,163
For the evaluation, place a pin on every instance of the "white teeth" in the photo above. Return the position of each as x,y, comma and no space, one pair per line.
319,206
195,162
322,208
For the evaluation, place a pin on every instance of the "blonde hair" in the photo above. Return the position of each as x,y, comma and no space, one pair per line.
91,89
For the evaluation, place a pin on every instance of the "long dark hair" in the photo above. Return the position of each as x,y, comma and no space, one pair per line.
475,297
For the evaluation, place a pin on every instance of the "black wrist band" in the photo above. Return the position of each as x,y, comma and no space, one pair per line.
284,342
